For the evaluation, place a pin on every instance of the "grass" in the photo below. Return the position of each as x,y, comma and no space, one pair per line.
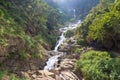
2,73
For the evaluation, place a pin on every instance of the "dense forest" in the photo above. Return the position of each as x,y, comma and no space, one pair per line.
101,25
30,29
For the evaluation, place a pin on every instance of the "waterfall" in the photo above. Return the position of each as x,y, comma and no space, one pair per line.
52,60
74,13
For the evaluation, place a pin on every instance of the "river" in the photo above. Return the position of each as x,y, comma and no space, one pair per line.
53,59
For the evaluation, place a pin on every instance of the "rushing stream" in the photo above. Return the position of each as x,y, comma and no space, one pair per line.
52,60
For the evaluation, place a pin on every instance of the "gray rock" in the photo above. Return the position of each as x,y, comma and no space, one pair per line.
68,75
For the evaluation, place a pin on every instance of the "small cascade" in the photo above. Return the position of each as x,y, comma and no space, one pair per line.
61,39
51,61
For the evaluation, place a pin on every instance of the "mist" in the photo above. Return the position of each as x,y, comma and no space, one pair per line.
72,8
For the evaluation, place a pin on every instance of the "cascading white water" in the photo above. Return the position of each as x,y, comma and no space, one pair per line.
52,60
61,38
74,13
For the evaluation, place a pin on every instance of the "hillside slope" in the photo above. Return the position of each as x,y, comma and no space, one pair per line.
27,30
101,25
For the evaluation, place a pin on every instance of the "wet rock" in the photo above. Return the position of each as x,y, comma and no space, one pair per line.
68,47
71,40
53,53
64,48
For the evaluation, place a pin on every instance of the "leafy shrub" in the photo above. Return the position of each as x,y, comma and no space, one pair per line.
78,50
97,65
13,77
69,34
2,73
1,12
81,42
29,42
117,5
24,55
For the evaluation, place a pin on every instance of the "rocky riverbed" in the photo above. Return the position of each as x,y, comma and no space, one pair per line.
63,69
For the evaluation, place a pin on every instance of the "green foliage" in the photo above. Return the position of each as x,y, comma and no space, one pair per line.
81,42
78,50
97,65
104,27
102,24
69,34
12,77
29,42
109,23
24,55
1,12
117,5
38,55
27,28
84,27
2,73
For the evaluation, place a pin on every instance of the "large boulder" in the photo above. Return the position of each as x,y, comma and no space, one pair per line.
67,64
68,75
